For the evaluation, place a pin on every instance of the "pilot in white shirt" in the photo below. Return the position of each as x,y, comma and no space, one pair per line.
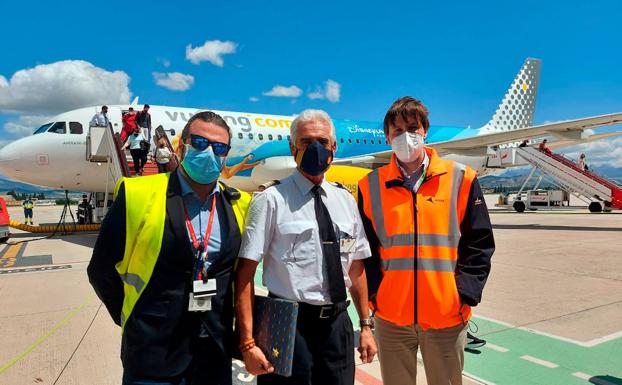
310,236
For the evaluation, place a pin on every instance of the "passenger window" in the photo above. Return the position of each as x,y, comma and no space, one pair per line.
260,136
75,128
240,135
250,136
269,136
341,140
364,141
350,141
279,137
372,141
358,141
58,128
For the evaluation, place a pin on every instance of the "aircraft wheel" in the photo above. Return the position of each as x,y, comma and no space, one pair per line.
595,207
519,206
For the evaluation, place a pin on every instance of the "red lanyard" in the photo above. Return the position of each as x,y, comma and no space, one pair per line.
208,231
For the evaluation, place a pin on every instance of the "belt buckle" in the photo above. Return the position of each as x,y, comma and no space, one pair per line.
327,308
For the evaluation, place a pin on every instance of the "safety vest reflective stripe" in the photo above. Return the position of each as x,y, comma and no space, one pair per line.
133,280
423,264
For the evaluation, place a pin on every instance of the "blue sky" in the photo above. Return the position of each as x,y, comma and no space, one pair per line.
458,58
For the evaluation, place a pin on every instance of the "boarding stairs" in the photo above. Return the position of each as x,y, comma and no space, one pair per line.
572,178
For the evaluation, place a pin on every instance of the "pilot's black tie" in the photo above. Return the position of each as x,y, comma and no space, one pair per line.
330,248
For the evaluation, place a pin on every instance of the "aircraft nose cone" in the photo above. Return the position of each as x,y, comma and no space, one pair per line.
9,156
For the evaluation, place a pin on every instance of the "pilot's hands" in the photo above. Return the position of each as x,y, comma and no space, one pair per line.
367,345
256,362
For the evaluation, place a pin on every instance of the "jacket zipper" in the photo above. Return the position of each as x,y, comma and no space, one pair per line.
416,288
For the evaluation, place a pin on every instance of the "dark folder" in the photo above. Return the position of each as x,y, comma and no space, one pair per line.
274,323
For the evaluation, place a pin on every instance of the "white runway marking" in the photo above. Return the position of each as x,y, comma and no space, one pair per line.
538,361
496,347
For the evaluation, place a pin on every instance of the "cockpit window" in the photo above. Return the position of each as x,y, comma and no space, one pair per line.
75,128
43,128
58,128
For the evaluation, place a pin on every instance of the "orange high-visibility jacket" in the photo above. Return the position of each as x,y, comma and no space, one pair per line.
424,227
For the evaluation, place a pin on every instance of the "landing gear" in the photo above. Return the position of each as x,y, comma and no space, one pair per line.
595,207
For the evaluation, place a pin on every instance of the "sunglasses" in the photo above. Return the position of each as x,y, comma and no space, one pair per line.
200,143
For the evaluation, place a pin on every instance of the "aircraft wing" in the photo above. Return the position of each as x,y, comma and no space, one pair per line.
568,132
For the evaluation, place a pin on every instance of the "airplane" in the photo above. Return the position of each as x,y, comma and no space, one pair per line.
55,154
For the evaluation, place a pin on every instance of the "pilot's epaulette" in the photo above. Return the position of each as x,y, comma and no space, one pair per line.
231,193
269,184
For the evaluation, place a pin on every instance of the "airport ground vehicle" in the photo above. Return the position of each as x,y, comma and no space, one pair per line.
4,222
534,199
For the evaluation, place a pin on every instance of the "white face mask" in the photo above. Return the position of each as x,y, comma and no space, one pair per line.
407,146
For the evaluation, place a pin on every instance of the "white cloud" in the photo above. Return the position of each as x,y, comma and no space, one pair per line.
175,81
254,99
25,124
331,91
165,62
284,92
600,153
212,51
61,86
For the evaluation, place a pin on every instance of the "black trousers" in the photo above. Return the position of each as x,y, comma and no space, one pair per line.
209,366
139,157
323,352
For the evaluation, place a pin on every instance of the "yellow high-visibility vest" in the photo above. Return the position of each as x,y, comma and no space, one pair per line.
145,214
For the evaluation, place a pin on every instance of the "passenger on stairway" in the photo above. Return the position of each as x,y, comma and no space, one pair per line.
582,162
139,156
129,124
163,156
544,148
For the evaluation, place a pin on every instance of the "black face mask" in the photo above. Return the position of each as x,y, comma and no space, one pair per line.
315,159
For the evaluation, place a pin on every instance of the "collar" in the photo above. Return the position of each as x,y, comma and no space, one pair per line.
186,189
422,167
305,185
436,166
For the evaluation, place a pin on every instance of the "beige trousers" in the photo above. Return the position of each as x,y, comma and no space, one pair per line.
442,351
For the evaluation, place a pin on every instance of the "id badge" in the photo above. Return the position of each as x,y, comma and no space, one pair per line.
346,245
204,289
199,304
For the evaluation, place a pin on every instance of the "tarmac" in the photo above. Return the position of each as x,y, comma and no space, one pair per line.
551,311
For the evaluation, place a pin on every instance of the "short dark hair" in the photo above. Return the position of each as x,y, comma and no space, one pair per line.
104,107
406,107
146,106
130,109
207,117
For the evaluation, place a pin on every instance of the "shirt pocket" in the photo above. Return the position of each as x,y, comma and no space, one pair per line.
298,240
347,241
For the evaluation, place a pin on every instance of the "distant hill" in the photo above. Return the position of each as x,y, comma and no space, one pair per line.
7,184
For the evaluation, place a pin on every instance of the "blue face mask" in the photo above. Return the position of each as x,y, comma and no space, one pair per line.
202,166
315,159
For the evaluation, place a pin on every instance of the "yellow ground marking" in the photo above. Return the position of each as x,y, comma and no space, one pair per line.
43,338
8,259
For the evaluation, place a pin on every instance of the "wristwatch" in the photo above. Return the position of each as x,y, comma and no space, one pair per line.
367,322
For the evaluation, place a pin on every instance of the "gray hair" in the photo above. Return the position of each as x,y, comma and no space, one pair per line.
307,116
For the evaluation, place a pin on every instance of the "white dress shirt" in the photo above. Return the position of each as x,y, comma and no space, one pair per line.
281,229
100,120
